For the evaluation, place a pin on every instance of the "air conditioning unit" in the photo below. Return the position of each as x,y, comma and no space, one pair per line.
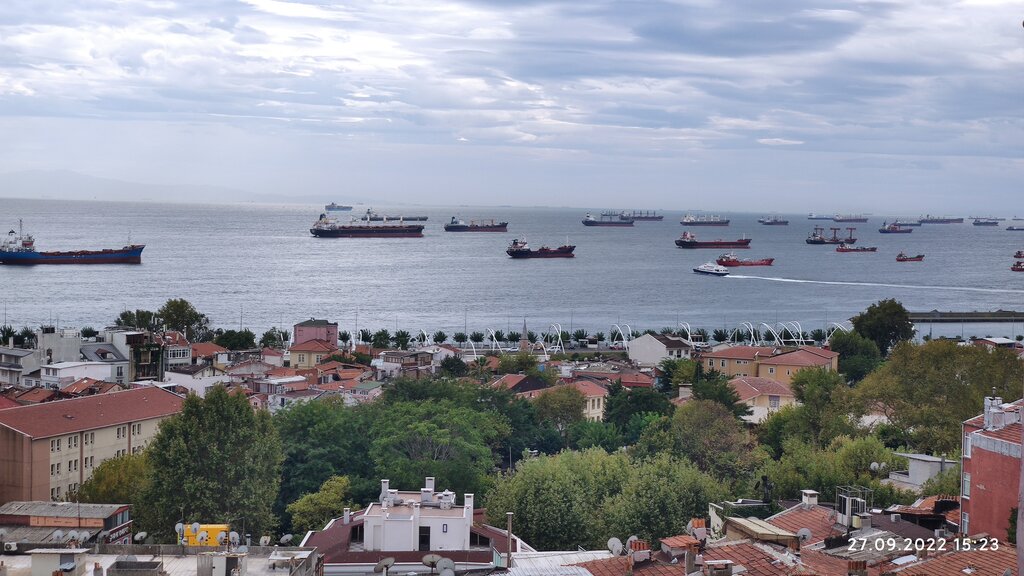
10,546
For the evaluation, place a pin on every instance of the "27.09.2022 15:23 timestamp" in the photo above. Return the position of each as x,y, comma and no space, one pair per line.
914,545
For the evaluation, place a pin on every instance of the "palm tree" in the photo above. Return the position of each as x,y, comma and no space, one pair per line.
27,337
514,337
6,333
402,339
599,336
365,335
476,337
381,338
460,338
720,335
344,337
702,333
479,368
531,336
440,337
499,336
580,335
818,335
666,330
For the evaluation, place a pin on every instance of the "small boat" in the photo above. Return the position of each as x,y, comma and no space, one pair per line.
985,222
901,257
1015,228
773,221
731,260
606,219
689,240
492,225
20,249
333,207
818,236
711,269
848,248
645,216
849,218
894,229
1019,254
1018,266
520,249
691,220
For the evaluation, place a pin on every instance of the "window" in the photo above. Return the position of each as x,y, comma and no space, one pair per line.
771,370
965,523
723,363
53,469
72,441
136,429
54,493
773,402
965,490
54,445
302,358
967,445
58,468
120,371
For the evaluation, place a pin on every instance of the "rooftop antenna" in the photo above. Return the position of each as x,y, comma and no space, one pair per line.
615,546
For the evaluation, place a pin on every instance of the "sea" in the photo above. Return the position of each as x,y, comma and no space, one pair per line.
257,266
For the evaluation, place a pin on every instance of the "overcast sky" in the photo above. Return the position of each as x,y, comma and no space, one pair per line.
908,106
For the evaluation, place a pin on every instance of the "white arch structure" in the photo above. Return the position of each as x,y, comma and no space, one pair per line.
494,340
626,336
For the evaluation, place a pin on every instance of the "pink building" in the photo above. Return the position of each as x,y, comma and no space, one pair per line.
314,329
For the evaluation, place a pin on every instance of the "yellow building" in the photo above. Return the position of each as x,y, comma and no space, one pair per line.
768,362
310,353
762,395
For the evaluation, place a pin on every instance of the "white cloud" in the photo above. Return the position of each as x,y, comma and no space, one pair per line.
779,142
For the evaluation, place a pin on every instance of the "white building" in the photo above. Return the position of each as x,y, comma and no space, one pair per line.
61,374
651,349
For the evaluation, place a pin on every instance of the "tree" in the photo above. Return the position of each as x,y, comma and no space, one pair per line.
88,332
454,366
622,403
381,339
675,371
885,323
274,338
440,337
460,338
531,336
365,336
499,336
819,335
480,369
714,386
823,413
139,319
562,405
720,335
236,339
216,459
599,337
945,482
25,338
858,355
476,337
118,480
928,390
707,433
344,337
402,339
313,511
580,335
180,315
516,363
588,434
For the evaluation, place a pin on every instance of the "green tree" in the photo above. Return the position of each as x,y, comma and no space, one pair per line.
516,363
476,337
714,386
531,337
138,319
514,336
824,411
217,460
365,336
439,337
562,406
707,433
885,322
344,337
454,366
180,315
946,482
273,338
118,480
313,511
499,336
88,332
622,403
588,434
236,339
479,368
600,337
580,335
402,339
858,355
720,335
460,338
381,339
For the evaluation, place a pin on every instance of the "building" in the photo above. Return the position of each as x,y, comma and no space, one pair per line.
763,395
53,345
406,526
143,350
177,350
651,349
314,329
991,468
521,385
210,353
736,360
106,352
49,449
309,353
59,375
920,469
14,363
782,367
43,523
403,363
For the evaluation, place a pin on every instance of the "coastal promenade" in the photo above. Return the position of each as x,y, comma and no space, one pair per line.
995,316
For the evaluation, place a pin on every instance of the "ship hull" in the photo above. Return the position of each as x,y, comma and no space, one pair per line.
649,218
503,227
852,250
743,243
607,223
556,253
700,223
1015,228
126,255
818,242
850,220
735,263
895,230
776,223
369,232
911,259
942,221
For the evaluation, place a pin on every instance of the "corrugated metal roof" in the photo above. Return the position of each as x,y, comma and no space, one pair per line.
60,509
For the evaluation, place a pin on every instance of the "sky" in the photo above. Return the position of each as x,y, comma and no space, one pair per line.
748,105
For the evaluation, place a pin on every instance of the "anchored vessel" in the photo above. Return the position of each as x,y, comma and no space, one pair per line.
689,240
606,219
985,222
813,216
818,236
773,221
731,260
1018,266
848,248
520,249
1015,228
905,223
372,216
20,249
332,207
492,225
647,216
711,269
894,228
901,257
327,227
691,220
929,219
849,218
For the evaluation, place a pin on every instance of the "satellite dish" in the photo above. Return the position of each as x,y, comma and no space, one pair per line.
286,538
629,542
447,572
265,541
233,537
804,534
615,546
179,528
875,466
57,535
446,564
384,564
203,536
431,560
72,535
221,537
195,527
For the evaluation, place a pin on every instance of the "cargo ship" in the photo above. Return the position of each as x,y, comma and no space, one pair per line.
773,221
818,236
332,207
492,225
847,248
327,227
689,240
849,218
20,249
606,220
929,219
901,257
894,228
985,222
520,249
731,260
691,220
1018,254
372,216
906,223
648,216
1015,228
813,216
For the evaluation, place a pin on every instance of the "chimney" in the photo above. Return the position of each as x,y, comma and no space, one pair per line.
894,518
426,495
347,517
429,483
688,561
469,502
384,489
857,568
10,342
719,567
809,498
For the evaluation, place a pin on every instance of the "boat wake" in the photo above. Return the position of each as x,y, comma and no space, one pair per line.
879,284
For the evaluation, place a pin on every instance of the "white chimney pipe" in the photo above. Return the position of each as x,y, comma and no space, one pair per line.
348,516
429,483
469,502
809,498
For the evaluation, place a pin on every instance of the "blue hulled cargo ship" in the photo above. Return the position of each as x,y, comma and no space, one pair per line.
19,249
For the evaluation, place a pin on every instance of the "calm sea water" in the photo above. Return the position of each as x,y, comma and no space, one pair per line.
258,265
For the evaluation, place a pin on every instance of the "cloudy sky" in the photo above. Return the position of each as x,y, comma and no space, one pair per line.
676,104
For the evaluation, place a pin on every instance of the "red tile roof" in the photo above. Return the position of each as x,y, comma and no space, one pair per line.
588,389
314,346
682,541
91,412
817,519
35,396
804,356
1011,433
508,380
80,385
741,352
206,349
172,338
754,558
748,387
271,352
972,563
6,402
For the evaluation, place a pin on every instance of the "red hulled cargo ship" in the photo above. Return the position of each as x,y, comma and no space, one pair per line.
731,260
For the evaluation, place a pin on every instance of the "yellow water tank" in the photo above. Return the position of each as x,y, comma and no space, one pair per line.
211,530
